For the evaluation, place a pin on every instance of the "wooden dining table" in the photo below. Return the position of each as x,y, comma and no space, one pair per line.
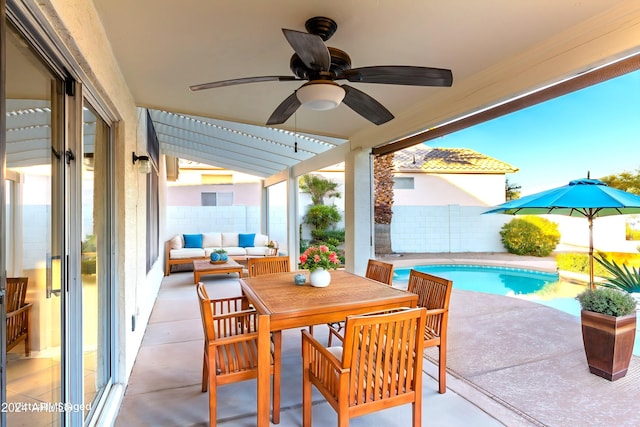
281,305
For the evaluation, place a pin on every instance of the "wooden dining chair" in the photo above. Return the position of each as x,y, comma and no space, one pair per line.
434,294
268,265
376,270
380,271
378,366
18,312
231,347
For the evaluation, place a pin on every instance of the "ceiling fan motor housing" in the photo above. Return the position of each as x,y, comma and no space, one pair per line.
321,26
340,62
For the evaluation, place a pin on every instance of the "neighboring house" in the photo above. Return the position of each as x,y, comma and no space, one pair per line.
448,176
197,184
439,197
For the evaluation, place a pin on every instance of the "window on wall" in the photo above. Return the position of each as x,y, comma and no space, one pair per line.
216,198
403,183
153,209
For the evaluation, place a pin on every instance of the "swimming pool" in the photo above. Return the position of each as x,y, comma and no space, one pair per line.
540,287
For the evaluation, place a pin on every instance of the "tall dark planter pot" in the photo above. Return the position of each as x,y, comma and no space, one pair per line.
608,343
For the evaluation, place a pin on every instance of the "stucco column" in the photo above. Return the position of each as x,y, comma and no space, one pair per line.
358,210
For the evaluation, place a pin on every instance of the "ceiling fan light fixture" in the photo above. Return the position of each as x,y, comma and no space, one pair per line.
320,95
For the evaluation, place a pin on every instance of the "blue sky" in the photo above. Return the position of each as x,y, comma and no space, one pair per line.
596,129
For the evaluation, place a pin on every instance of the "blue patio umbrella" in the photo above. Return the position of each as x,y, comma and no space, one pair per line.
589,198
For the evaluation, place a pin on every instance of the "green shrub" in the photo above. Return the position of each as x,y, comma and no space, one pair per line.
578,262
530,235
88,265
326,235
631,233
575,262
322,216
607,301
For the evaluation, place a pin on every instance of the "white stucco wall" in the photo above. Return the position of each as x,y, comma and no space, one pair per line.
448,189
455,228
451,228
204,219
77,26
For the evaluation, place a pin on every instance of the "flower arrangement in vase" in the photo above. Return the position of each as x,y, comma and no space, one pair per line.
319,260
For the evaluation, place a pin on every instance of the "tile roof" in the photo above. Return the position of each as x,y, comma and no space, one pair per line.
448,160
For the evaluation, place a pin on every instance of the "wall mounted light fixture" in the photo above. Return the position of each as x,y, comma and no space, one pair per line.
144,164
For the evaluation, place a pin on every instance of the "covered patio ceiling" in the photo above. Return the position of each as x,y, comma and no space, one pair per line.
496,49
255,150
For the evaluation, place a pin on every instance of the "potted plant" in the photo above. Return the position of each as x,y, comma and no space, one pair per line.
274,247
608,330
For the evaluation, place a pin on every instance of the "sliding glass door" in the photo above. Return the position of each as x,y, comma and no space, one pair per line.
57,199
95,260
35,225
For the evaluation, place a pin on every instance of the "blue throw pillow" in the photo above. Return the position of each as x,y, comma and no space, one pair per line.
192,240
246,240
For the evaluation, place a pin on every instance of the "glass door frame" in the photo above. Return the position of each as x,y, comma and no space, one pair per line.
3,267
74,95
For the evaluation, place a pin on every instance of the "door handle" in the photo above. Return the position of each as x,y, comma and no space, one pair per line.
53,274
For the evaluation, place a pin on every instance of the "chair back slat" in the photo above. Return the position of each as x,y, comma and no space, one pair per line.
433,293
384,354
16,292
380,271
268,265
229,305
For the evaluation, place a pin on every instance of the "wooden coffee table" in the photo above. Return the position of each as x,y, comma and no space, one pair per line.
205,266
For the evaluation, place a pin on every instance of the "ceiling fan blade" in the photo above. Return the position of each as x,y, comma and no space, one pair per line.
310,48
366,106
400,75
284,110
244,80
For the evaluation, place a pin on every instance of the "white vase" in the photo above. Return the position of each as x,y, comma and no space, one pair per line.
320,278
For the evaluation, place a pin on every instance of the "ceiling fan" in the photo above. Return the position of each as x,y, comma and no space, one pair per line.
321,66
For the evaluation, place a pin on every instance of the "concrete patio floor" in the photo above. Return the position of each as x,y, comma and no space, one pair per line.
511,362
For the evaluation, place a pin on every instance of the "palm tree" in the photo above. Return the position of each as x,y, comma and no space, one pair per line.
383,202
512,191
318,188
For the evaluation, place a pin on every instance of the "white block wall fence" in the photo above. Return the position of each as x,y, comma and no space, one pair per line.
414,229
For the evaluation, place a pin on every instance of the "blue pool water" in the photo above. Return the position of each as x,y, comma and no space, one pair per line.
539,287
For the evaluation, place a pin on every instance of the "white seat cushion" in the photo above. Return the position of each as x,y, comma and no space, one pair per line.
258,251
186,253
235,251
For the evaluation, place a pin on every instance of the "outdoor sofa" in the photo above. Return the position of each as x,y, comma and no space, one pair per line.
185,248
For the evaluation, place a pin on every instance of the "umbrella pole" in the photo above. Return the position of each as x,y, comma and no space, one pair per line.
591,284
